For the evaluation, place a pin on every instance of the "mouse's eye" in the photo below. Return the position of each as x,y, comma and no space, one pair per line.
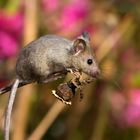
89,61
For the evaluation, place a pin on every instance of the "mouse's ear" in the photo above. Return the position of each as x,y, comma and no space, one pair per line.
79,46
85,36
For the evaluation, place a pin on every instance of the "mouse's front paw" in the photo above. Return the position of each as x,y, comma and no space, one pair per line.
72,70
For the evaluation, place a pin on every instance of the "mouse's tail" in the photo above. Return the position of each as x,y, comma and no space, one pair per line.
9,87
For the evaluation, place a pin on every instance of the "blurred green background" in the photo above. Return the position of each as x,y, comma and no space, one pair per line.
110,109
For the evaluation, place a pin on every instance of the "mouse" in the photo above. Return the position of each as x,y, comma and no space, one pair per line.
48,58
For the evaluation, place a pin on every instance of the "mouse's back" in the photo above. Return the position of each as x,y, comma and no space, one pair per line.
38,58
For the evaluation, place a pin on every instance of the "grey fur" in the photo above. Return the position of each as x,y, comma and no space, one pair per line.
48,58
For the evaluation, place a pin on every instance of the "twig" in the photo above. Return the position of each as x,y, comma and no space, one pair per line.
47,121
102,118
114,37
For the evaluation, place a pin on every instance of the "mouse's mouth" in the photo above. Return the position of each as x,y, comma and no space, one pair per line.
95,73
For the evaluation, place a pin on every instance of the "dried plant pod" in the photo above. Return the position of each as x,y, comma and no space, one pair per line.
66,91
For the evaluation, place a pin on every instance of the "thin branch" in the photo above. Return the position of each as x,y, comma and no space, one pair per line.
47,121
116,35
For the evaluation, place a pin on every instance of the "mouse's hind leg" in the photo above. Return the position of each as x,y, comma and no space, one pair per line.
52,77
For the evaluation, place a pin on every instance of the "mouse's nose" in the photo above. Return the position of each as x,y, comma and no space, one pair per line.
96,73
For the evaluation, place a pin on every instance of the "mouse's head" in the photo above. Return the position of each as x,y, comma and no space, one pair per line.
83,56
